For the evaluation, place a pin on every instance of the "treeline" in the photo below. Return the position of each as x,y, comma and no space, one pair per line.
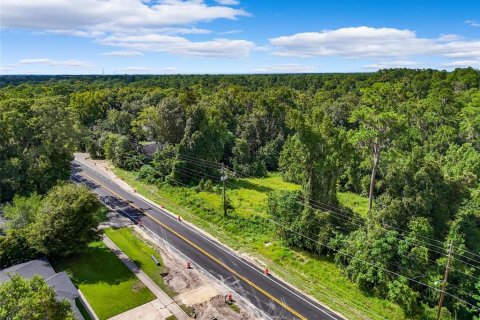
408,139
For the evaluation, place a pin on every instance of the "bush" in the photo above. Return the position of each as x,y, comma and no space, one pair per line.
148,174
15,248
67,221
32,299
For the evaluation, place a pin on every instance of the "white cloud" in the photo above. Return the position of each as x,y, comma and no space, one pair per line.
147,70
262,48
390,64
135,70
449,37
228,2
231,32
109,15
58,63
473,23
7,68
122,53
364,42
286,68
150,25
77,33
462,64
181,46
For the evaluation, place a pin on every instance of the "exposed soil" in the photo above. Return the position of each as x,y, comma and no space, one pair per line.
195,289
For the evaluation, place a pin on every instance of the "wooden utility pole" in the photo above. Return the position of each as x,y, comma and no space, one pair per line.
445,278
224,178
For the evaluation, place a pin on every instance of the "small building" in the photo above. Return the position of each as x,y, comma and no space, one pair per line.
60,282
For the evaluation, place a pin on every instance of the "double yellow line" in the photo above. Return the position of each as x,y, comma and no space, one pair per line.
202,251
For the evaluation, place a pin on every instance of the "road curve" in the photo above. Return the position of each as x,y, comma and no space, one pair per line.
271,296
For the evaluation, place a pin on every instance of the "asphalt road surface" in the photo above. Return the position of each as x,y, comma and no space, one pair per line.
271,296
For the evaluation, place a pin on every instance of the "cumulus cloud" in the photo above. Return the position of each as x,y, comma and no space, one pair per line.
150,25
228,2
462,64
57,63
147,70
473,23
122,53
181,46
390,64
231,32
110,15
8,68
365,42
286,68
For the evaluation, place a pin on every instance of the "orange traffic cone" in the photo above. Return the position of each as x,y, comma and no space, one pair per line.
188,265
266,272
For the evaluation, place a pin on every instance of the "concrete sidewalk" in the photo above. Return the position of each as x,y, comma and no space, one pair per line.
163,303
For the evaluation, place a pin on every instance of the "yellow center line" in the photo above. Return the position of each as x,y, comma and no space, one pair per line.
202,251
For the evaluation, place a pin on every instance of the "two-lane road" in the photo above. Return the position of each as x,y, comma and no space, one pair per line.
274,298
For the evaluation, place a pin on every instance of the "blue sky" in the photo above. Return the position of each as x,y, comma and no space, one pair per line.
236,36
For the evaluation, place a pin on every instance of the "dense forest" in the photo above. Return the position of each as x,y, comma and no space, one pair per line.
409,140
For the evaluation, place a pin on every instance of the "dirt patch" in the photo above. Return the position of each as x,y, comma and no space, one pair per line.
137,287
217,308
198,295
194,288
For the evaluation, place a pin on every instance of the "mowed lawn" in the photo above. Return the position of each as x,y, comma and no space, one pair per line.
140,252
246,229
109,286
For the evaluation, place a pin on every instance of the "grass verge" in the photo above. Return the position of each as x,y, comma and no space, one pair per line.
106,282
246,230
140,252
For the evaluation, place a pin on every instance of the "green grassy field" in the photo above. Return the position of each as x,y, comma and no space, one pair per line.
246,230
140,252
109,286
355,202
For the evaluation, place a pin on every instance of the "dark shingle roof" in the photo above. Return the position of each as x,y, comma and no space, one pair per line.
29,269
63,286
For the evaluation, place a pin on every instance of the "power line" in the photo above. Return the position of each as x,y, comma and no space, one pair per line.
389,263
404,232
412,241
373,265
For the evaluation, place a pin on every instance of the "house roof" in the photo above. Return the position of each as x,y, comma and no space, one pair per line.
29,269
62,284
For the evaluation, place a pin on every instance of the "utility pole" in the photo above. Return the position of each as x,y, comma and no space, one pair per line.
224,178
445,278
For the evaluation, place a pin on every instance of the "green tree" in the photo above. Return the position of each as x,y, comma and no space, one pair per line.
291,162
37,140
118,122
379,123
164,122
67,220
15,247
204,138
32,299
91,106
22,211
323,147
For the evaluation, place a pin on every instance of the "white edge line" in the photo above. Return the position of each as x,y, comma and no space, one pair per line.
169,215
182,254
